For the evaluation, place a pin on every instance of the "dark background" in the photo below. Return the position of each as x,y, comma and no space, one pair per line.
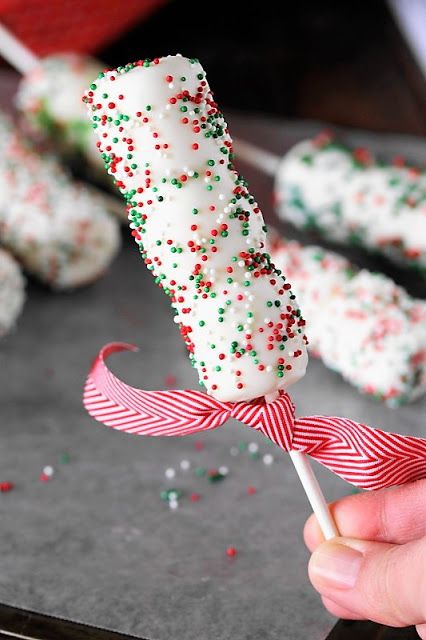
341,62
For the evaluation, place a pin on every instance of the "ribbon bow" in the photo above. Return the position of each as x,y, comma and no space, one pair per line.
366,457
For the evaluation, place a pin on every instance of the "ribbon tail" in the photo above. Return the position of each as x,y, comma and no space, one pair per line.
364,456
153,413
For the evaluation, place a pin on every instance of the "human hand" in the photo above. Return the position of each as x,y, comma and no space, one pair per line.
376,569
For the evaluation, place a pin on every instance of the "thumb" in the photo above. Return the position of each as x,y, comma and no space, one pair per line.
377,581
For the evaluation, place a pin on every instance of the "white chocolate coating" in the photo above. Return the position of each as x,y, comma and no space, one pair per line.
60,231
12,292
350,197
50,100
198,228
359,323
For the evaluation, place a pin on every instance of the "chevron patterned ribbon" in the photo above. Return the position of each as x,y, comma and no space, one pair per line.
366,457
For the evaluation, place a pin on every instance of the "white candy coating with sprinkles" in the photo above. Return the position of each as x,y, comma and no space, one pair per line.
49,98
359,323
12,292
59,230
199,230
351,197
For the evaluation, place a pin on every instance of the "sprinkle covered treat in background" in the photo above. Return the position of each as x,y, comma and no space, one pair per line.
60,231
49,99
12,292
350,196
359,323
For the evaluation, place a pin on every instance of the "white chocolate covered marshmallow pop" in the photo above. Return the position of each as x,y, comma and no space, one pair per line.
49,98
351,197
60,231
12,292
199,230
360,323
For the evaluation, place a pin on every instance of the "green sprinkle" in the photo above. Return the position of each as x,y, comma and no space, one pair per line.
216,477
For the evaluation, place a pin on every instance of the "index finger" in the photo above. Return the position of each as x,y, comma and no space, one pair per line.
396,515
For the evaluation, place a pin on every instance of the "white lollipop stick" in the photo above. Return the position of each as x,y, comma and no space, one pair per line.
264,160
16,53
314,494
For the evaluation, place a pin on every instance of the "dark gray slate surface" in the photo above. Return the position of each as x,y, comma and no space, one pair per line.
96,543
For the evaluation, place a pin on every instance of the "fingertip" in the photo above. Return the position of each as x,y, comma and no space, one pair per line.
337,610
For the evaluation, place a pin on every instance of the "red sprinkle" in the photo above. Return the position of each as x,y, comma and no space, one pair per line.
6,486
231,552
251,491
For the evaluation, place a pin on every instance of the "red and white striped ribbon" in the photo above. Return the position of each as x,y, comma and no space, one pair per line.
366,457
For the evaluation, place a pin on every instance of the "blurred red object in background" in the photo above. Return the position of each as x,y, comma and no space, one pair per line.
53,26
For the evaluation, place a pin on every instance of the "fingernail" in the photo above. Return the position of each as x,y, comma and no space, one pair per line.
335,565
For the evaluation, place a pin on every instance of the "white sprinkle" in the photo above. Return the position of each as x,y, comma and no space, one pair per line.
173,504
184,465
223,471
253,447
268,368
170,473
48,471
268,459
